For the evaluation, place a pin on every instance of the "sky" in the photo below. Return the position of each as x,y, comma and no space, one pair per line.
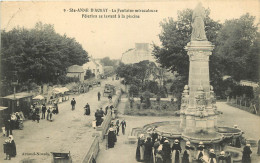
109,36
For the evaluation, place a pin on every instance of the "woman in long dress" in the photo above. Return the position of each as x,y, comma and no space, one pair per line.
187,154
212,156
246,158
176,152
148,150
142,148
201,156
111,138
10,148
140,143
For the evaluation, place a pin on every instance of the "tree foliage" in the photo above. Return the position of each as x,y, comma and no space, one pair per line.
106,61
38,54
174,37
238,48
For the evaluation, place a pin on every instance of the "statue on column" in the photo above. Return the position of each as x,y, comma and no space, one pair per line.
198,28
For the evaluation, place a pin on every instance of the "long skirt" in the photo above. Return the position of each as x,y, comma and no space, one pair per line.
258,149
137,154
176,156
142,148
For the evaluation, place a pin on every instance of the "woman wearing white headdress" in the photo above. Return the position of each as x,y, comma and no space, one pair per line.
158,157
201,157
111,138
10,148
212,156
176,152
140,148
187,154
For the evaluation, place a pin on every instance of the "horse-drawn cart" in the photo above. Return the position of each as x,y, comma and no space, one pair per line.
109,90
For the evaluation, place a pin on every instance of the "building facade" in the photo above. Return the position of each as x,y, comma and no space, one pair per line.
141,52
94,66
76,71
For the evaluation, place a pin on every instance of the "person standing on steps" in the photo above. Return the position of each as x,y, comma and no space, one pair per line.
73,103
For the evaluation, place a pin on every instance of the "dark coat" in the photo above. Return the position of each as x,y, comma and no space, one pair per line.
222,159
166,151
246,155
73,102
10,149
44,108
148,151
111,139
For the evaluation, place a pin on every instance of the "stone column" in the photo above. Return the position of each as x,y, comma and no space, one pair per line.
199,52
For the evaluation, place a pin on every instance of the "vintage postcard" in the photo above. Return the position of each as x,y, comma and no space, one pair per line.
129,81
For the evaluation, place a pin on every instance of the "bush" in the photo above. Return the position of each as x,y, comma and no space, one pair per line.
133,90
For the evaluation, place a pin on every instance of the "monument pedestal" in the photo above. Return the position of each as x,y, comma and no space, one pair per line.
197,112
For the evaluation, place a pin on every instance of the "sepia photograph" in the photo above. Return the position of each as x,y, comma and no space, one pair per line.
171,81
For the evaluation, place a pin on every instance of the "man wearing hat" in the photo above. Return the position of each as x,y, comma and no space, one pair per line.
176,151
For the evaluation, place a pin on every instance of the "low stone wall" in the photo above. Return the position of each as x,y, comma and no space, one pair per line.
100,132
107,120
104,126
93,151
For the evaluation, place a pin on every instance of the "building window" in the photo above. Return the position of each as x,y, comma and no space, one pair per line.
97,70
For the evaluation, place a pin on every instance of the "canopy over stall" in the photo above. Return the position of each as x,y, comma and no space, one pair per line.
39,97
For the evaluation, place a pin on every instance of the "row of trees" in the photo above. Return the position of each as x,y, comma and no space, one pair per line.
235,54
40,54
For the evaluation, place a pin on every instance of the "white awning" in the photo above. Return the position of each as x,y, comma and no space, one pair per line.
39,97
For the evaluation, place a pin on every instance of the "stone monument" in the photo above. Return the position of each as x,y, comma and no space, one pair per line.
198,112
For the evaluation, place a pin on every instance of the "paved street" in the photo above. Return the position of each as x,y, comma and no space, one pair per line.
247,122
70,131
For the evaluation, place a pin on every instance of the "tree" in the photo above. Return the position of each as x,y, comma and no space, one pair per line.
174,37
39,54
89,74
108,62
238,48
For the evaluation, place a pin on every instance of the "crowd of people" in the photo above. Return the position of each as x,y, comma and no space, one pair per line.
35,112
158,148
11,122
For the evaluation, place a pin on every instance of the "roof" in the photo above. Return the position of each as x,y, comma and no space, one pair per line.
74,69
3,107
60,90
39,97
19,95
92,62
